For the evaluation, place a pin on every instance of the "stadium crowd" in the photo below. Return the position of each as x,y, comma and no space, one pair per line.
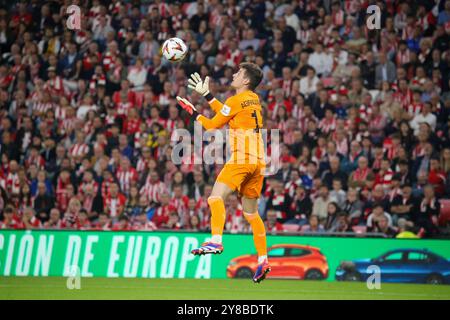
87,116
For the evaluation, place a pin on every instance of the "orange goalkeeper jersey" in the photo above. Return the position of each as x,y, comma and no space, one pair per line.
242,112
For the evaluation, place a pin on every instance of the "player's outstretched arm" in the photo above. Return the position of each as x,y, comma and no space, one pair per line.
218,121
202,87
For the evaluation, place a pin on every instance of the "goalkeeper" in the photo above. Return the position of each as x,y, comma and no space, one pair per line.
244,171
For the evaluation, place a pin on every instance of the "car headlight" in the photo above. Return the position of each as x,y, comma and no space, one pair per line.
232,264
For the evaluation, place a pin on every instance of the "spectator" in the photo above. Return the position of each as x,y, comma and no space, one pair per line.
342,224
280,202
313,225
43,203
382,226
320,205
376,215
54,221
9,220
385,70
405,230
301,206
337,194
123,224
330,222
321,61
353,207
271,223
141,222
427,211
29,220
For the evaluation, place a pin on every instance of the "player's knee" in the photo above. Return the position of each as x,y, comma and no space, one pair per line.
213,199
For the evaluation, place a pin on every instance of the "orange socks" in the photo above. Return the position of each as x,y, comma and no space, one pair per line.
217,218
259,234
218,222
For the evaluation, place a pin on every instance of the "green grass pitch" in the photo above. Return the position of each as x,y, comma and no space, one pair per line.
191,289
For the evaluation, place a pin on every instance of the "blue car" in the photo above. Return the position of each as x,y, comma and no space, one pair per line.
401,265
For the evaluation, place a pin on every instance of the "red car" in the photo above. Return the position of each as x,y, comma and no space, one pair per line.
288,261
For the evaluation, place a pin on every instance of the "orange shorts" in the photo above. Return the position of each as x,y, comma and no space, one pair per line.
247,179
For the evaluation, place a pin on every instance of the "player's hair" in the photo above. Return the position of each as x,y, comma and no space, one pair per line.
253,72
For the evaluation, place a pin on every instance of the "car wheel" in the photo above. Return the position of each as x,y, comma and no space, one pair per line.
352,276
243,273
313,275
435,279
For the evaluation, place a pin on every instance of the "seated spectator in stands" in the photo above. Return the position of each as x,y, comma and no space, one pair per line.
321,61
313,225
320,204
293,183
280,202
342,223
54,221
9,220
137,75
419,185
337,194
132,206
29,220
334,172
83,222
353,207
194,223
436,177
403,205
140,222
422,161
385,70
71,214
173,222
382,226
308,84
351,162
92,201
43,202
427,211
376,215
301,206
103,222
114,202
425,116
123,224
360,177
331,219
377,195
310,174
271,223
405,229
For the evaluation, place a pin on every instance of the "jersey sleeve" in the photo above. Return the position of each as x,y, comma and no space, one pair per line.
224,113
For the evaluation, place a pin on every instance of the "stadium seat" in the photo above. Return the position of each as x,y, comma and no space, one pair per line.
444,215
359,229
291,227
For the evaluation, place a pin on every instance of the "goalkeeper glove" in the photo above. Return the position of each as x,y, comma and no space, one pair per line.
196,84
189,107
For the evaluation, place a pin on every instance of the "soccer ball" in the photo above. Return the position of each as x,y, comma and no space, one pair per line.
174,49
